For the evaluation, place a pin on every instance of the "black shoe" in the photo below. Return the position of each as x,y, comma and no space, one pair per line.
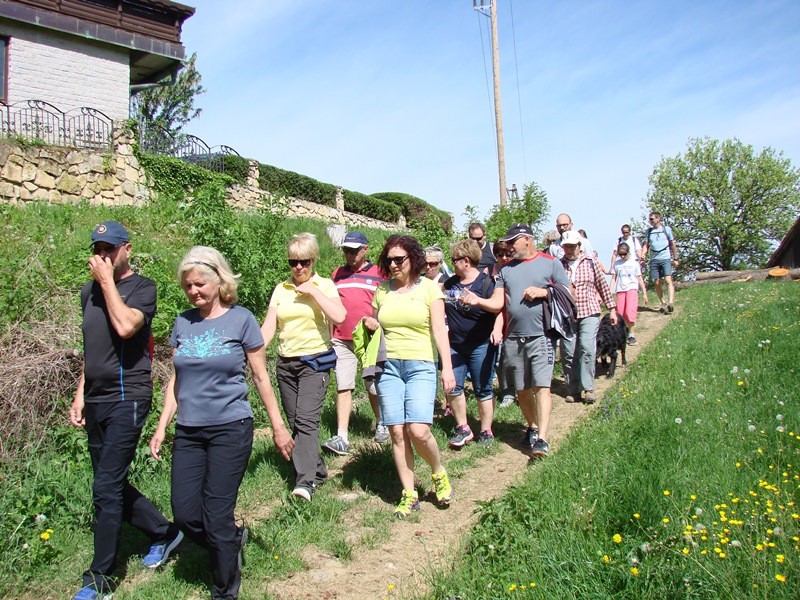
530,437
541,449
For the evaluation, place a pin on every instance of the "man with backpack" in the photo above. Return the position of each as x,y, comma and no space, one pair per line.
660,242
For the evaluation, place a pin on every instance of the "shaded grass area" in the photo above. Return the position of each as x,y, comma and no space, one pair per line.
684,484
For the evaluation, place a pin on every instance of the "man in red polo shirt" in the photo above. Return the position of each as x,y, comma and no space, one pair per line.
356,282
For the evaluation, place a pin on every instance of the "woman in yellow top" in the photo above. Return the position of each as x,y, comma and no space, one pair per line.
300,311
410,310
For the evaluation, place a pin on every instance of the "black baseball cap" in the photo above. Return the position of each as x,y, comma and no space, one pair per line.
515,231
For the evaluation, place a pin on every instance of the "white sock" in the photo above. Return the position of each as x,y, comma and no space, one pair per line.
342,433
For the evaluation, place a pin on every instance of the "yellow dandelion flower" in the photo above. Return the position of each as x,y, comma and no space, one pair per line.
45,536
532,584
740,383
390,587
275,557
686,551
665,520
617,538
666,492
512,587
693,497
781,578
780,558
634,571
636,515
722,555
606,558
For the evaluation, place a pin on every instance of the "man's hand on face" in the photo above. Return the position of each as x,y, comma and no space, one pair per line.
102,269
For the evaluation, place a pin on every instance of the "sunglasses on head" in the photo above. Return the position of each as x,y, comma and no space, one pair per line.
398,260
303,262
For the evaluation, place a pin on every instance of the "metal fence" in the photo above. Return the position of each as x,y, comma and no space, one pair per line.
187,147
40,121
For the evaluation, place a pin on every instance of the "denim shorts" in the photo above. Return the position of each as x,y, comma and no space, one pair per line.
660,268
479,361
406,391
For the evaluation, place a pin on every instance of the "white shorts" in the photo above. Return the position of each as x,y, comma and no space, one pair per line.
347,367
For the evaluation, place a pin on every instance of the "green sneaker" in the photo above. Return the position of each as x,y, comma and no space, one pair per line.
409,502
444,491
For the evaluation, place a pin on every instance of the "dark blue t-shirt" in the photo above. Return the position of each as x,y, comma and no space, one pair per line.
469,325
209,361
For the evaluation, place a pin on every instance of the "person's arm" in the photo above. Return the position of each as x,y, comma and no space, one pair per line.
439,331
643,287
497,331
613,283
167,413
674,250
76,410
331,306
257,359
611,262
601,285
492,304
125,320
270,325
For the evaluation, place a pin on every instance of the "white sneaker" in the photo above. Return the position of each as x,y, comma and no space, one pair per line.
302,492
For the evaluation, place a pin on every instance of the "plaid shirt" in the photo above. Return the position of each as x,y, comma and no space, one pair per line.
590,286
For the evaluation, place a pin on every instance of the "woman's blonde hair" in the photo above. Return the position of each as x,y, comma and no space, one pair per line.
467,249
210,263
303,245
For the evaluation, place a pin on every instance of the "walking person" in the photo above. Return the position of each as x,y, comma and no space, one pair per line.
578,352
301,312
409,309
214,433
473,343
503,253
434,265
530,354
636,249
477,233
660,242
626,281
113,398
356,283
563,224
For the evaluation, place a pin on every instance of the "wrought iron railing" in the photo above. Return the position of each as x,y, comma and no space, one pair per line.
156,139
40,121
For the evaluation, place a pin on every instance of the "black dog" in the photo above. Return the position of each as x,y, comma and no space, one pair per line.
611,339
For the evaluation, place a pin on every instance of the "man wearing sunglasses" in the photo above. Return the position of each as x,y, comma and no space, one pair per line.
477,232
660,242
356,282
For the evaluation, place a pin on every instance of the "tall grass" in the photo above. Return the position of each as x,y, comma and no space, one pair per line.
684,484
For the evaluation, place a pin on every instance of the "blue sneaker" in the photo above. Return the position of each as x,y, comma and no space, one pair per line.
159,553
90,593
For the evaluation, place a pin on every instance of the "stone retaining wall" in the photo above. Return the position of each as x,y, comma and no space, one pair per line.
69,175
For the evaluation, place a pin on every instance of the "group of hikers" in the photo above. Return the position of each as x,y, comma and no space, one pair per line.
405,324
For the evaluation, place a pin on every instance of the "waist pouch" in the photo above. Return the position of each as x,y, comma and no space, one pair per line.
321,361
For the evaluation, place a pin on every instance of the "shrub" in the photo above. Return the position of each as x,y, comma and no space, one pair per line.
275,180
370,206
416,210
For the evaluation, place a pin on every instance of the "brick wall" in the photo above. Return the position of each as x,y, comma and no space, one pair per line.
66,71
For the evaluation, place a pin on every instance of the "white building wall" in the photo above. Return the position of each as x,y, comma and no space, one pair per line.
66,71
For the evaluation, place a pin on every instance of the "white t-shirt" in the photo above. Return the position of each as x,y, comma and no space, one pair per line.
628,273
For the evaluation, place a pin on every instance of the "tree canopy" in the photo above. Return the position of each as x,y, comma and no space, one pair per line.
169,108
532,208
726,204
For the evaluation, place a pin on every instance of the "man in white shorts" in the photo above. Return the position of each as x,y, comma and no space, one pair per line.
356,282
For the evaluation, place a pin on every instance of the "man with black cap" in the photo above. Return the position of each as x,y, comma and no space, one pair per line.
112,402
356,282
522,288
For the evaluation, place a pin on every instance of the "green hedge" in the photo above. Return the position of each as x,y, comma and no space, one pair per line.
273,179
369,206
416,210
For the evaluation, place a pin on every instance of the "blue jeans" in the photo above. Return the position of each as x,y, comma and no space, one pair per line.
479,361
578,355
406,391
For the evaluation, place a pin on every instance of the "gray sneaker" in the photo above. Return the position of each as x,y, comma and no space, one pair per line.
485,439
530,437
381,434
507,401
540,449
337,445
462,436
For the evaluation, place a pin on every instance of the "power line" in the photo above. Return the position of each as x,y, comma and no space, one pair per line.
486,77
519,96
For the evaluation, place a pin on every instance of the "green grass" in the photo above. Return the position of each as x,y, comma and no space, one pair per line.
692,460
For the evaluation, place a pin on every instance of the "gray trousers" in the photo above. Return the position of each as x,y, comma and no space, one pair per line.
578,356
302,394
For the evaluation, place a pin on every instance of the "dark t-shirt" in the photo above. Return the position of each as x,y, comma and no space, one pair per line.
487,257
209,360
115,368
469,325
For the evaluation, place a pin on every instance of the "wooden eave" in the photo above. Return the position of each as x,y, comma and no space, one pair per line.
793,233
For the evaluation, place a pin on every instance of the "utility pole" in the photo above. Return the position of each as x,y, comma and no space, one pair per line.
482,6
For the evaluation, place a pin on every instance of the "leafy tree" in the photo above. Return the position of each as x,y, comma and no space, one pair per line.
532,208
727,204
169,108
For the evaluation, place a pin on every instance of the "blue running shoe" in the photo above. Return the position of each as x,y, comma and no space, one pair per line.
90,593
159,553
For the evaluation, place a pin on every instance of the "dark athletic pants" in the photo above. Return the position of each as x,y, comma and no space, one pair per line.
114,429
208,465
302,394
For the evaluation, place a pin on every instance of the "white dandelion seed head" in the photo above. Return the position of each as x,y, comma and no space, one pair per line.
678,420
699,421
751,428
780,429
779,417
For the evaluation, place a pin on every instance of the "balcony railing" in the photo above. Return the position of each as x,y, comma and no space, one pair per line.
40,121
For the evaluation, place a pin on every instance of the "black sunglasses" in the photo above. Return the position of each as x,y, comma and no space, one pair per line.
505,254
351,250
303,262
622,254
477,239
430,263
398,260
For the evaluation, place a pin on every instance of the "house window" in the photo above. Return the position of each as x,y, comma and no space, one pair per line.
3,69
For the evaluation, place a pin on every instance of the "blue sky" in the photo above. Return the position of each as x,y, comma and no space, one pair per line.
384,95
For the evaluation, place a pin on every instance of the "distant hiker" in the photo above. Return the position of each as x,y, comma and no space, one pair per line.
409,311
660,242
504,254
356,282
633,243
214,433
626,281
529,353
477,233
564,223
301,311
434,261
112,401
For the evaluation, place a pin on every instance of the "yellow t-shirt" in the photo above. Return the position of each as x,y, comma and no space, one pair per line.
406,320
302,326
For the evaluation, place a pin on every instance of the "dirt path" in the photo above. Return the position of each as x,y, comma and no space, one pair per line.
399,566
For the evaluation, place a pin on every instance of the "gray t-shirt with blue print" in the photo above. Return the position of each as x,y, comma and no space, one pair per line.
209,361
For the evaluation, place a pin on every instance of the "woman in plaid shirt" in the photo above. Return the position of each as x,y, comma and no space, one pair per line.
578,352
